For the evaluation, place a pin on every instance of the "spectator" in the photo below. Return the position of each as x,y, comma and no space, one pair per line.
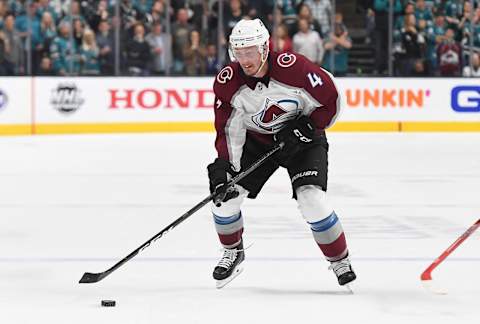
476,30
449,55
45,68
321,11
465,24
22,21
45,6
195,56
381,9
434,5
261,9
89,54
100,14
413,44
157,13
434,36
422,12
138,52
453,10
400,21
281,41
439,28
78,30
289,12
476,16
17,7
277,19
130,16
308,42
337,45
15,54
144,6
369,21
305,12
197,8
419,69
159,45
74,13
399,26
5,67
64,52
475,70
106,47
233,13
212,63
42,38
181,30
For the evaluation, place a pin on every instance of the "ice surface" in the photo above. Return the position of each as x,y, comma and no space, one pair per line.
70,204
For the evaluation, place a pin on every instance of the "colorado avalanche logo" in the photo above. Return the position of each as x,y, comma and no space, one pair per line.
275,113
286,60
225,75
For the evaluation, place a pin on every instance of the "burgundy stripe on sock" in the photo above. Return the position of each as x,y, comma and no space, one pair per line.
336,249
231,239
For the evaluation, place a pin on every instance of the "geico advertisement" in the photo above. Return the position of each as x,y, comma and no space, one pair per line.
15,100
76,100
406,99
64,100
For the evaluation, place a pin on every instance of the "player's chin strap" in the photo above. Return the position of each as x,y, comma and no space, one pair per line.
264,60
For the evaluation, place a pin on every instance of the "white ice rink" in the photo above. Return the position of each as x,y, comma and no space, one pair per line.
70,204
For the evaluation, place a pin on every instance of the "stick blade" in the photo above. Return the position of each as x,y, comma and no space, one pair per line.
89,277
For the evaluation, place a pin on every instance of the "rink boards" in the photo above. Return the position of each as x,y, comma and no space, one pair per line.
54,105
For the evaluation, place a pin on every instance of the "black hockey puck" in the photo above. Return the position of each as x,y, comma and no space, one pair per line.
108,303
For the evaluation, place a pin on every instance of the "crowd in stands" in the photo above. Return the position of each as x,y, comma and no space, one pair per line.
430,37
79,37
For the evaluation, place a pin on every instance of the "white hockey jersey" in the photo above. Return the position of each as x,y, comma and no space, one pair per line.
293,86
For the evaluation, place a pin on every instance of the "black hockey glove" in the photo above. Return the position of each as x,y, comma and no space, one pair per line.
297,135
217,174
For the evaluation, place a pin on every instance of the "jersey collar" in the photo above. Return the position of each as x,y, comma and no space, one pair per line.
251,82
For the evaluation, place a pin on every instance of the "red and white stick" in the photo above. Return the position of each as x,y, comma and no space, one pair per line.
426,276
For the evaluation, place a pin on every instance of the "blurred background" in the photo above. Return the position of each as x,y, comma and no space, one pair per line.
70,204
422,38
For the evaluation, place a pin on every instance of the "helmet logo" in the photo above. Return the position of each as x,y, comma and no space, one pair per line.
225,75
286,60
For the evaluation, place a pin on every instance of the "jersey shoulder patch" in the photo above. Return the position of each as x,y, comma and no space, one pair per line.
288,68
225,75
227,82
286,60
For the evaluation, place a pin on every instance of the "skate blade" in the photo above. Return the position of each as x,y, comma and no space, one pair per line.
222,283
349,288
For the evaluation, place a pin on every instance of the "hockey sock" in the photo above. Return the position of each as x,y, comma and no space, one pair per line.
229,229
328,234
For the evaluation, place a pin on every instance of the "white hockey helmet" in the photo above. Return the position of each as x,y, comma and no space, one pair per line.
248,33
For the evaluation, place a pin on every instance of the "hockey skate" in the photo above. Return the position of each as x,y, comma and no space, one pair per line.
229,266
344,272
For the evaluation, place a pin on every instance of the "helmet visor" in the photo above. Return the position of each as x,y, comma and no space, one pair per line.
246,53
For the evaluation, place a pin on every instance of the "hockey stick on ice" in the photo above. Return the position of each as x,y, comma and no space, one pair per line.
89,277
426,276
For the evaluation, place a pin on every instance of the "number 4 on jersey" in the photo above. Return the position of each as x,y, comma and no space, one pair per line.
314,79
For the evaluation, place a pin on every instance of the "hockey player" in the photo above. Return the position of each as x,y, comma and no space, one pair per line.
264,98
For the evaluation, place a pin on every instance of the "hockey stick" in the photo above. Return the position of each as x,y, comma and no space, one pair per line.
426,276
89,277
